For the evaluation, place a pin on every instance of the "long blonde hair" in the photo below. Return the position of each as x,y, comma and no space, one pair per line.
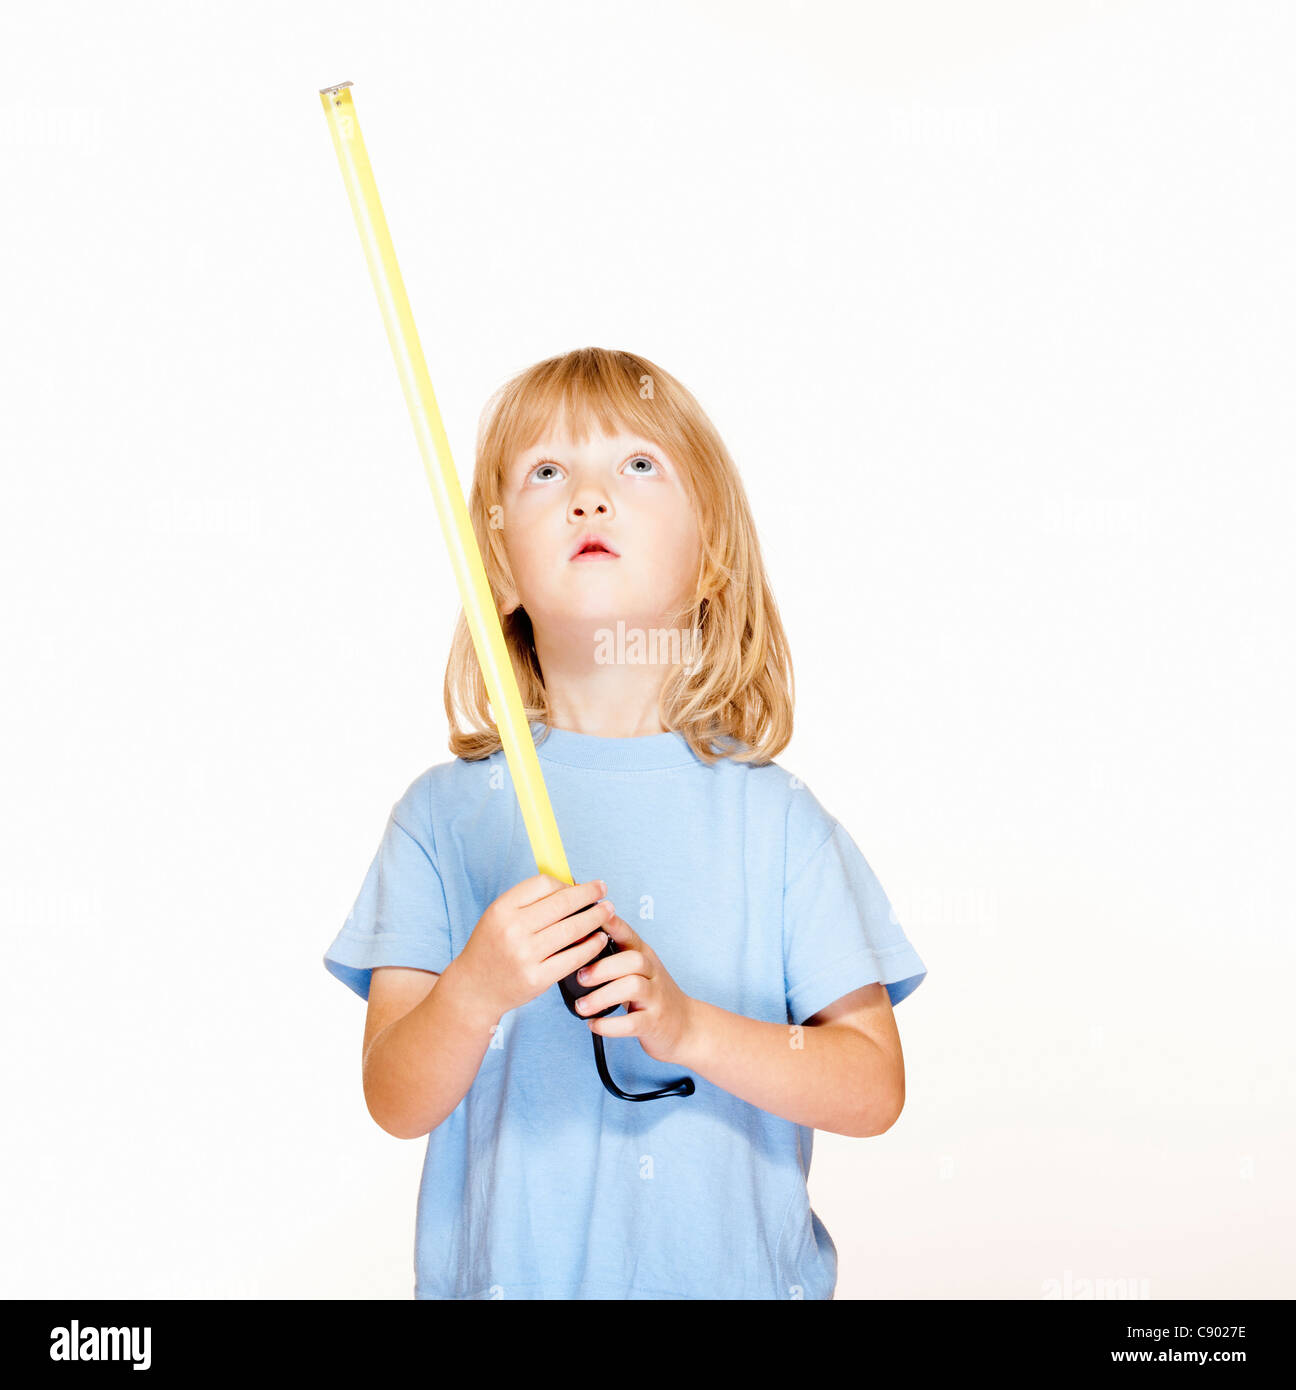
739,685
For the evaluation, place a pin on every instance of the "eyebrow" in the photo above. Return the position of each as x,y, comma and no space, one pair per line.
546,453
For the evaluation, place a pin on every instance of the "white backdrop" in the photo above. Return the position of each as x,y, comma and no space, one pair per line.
989,303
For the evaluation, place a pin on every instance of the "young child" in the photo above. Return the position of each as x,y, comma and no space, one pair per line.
757,952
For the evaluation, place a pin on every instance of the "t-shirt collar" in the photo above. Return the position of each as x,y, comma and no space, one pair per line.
650,752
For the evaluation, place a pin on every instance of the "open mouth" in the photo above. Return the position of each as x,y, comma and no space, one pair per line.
593,548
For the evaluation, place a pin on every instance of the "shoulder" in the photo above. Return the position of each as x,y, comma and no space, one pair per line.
442,788
783,798
810,825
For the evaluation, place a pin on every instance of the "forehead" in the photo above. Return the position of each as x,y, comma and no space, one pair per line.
596,443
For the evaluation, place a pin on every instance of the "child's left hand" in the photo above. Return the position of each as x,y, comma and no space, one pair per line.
659,1012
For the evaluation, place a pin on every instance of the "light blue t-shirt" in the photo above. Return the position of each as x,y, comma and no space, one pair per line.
540,1184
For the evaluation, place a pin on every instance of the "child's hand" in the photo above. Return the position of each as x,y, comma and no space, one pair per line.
659,1012
522,944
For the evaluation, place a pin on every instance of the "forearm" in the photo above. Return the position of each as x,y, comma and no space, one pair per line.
420,1067
825,1076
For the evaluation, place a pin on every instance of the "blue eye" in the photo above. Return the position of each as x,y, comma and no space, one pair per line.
655,467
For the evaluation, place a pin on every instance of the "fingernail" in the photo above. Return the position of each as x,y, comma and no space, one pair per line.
602,889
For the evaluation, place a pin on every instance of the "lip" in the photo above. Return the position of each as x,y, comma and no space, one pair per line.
607,554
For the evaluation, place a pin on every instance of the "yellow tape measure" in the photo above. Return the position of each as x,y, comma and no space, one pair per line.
461,543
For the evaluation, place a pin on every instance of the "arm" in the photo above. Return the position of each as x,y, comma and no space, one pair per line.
425,1037
842,1070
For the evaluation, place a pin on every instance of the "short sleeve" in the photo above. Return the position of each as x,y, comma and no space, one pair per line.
840,932
400,916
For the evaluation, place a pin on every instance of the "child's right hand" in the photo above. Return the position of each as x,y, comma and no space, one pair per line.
522,945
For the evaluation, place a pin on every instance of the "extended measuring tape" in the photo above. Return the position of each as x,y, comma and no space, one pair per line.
461,542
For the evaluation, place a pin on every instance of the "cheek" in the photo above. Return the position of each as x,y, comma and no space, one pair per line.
684,542
671,522
518,535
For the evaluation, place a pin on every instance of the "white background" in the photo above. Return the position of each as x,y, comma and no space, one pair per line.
990,304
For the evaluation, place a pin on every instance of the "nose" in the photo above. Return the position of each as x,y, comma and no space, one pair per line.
588,503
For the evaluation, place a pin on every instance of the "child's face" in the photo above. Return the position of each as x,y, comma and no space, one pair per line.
621,488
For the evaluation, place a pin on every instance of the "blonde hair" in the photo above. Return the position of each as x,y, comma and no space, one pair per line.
739,685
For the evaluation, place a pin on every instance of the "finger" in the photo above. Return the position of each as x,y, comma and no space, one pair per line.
625,936
602,972
623,991
567,962
530,890
574,930
565,902
616,1026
